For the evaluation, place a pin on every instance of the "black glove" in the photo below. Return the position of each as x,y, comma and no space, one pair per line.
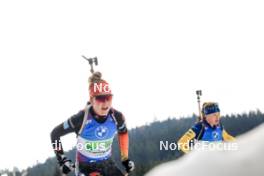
129,165
66,165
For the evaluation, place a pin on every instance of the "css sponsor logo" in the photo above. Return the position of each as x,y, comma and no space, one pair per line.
98,146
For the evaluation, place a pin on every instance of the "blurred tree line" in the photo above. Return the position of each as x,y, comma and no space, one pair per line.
145,143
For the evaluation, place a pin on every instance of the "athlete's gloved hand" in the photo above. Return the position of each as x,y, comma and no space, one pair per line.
66,165
129,165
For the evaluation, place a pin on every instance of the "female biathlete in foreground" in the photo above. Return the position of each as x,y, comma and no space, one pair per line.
95,127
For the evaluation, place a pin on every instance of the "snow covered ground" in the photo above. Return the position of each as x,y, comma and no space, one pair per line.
248,160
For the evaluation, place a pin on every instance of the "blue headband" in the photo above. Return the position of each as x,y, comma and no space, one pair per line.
210,109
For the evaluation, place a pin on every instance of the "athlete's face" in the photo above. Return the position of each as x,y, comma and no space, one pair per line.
101,104
213,119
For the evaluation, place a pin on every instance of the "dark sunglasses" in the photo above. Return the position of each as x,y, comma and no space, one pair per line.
103,98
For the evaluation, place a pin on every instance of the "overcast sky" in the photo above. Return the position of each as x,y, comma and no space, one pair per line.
155,54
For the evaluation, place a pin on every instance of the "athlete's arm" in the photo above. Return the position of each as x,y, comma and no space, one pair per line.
192,133
183,142
122,134
73,124
227,137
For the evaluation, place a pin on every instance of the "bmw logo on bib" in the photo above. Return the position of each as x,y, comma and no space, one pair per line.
101,132
215,135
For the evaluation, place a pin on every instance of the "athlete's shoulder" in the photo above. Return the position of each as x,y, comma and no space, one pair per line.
76,120
120,119
197,127
118,114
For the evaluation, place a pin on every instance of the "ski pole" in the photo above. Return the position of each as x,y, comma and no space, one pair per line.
199,94
91,61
